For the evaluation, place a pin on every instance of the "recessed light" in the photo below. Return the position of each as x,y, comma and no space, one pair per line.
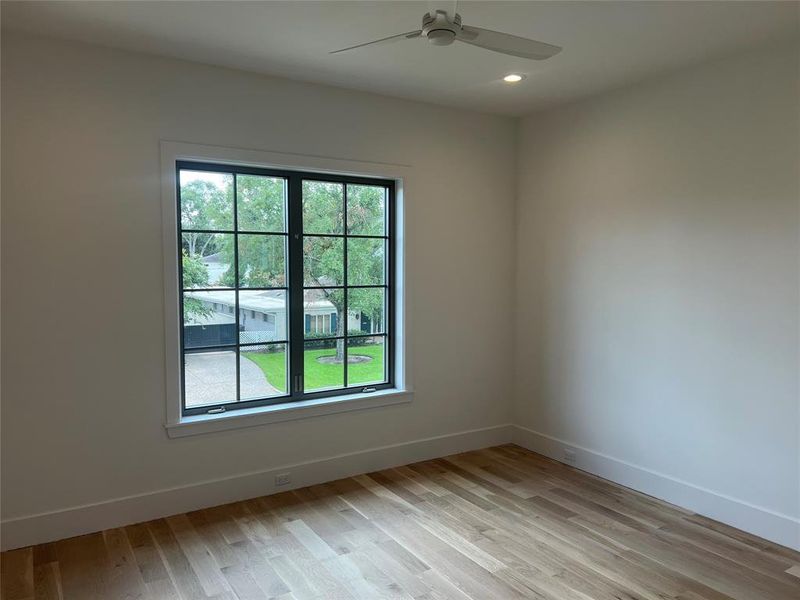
513,78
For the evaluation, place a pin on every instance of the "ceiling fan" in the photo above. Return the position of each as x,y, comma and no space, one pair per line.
442,30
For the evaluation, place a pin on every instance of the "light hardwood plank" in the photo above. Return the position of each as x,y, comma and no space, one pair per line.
499,523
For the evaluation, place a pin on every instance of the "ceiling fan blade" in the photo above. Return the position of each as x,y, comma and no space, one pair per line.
506,43
409,35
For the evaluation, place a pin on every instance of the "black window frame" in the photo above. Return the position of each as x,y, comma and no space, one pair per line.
295,342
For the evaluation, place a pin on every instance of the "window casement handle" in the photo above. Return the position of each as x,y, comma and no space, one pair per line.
367,390
215,411
298,383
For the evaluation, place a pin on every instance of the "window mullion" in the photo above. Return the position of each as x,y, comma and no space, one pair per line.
295,228
389,282
236,286
344,281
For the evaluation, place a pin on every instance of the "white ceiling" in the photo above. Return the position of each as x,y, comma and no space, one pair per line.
606,44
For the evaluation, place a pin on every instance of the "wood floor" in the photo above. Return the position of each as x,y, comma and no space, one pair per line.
499,523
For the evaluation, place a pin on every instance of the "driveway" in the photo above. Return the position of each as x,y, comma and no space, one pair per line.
211,379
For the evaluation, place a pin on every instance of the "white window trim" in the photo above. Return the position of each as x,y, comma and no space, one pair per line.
178,425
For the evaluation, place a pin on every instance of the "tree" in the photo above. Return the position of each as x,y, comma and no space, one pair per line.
195,275
262,258
366,215
323,257
205,205
261,203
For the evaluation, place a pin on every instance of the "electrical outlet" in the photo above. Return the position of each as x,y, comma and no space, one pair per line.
569,456
283,479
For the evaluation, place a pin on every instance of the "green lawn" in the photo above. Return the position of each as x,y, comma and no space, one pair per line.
319,375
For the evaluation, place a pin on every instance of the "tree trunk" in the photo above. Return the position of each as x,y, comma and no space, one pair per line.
205,245
340,325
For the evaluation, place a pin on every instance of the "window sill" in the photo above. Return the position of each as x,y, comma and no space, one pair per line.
250,417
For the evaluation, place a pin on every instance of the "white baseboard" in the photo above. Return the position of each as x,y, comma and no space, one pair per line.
79,520
779,528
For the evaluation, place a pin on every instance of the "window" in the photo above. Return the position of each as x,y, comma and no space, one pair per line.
286,285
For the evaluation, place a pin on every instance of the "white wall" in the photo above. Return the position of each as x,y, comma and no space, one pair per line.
657,282
83,339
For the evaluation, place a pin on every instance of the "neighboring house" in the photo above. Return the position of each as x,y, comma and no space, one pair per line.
262,317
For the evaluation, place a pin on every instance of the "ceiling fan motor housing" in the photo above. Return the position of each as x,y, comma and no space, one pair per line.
439,29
